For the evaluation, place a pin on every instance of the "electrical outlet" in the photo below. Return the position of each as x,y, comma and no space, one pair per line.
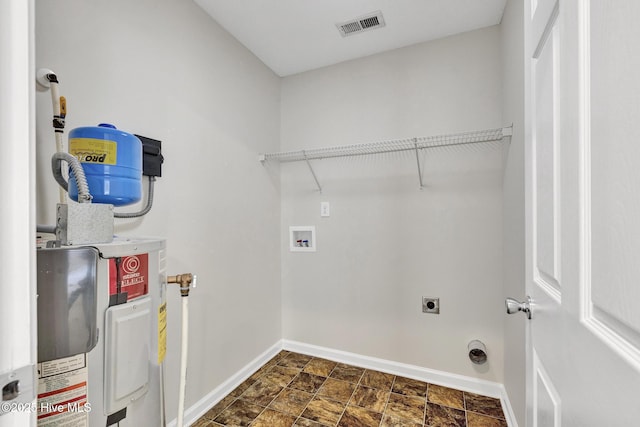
324,209
431,305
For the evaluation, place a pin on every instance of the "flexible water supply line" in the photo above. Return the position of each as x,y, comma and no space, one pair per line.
185,281
183,360
56,167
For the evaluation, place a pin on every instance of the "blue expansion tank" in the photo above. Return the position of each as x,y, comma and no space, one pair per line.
112,162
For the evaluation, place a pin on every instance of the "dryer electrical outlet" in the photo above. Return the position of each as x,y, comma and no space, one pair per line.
431,305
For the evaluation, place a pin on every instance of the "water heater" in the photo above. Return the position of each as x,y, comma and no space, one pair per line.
102,334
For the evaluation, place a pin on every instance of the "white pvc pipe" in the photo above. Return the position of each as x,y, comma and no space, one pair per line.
183,359
55,99
163,415
60,149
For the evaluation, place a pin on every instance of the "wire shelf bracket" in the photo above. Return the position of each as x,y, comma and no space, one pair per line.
411,144
315,178
418,161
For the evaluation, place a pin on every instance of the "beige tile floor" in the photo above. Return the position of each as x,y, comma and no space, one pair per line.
293,389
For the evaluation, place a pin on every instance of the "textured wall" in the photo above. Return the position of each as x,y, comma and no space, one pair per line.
387,243
164,69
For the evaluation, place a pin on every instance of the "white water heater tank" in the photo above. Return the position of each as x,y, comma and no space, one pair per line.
102,338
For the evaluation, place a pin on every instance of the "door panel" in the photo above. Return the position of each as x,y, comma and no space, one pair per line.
545,147
583,212
614,178
545,397
545,286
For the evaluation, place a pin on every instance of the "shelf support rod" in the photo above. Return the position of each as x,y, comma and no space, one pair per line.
415,143
306,159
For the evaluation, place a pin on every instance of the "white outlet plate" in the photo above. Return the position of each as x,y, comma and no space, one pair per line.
325,209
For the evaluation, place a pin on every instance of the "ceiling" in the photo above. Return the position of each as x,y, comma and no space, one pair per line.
292,36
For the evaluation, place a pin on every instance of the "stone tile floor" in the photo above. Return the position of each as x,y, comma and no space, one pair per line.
293,389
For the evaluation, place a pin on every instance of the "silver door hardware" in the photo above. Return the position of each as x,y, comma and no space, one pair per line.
514,306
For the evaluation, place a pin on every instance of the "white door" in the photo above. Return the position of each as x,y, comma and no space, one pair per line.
17,212
583,212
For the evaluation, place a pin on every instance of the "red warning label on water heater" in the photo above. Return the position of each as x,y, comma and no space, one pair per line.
129,274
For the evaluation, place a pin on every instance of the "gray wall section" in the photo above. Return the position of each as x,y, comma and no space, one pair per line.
386,242
166,70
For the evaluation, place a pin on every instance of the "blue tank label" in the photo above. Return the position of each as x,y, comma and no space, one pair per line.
91,150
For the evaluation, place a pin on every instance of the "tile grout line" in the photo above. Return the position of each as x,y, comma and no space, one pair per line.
232,402
464,404
334,368
257,379
350,397
236,398
271,401
423,422
426,402
315,393
384,411
466,412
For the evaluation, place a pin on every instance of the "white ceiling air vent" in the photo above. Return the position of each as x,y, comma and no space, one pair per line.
369,21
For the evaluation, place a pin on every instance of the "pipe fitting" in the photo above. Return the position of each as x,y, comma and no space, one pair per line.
184,280
477,352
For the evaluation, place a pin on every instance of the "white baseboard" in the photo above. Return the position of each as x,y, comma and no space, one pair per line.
460,382
192,414
507,409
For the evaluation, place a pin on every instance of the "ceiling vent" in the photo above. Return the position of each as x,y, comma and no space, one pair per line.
369,21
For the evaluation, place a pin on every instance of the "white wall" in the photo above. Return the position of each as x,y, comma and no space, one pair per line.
512,37
387,243
17,246
164,69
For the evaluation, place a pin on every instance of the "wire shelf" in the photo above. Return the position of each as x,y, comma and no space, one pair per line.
410,144
460,140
